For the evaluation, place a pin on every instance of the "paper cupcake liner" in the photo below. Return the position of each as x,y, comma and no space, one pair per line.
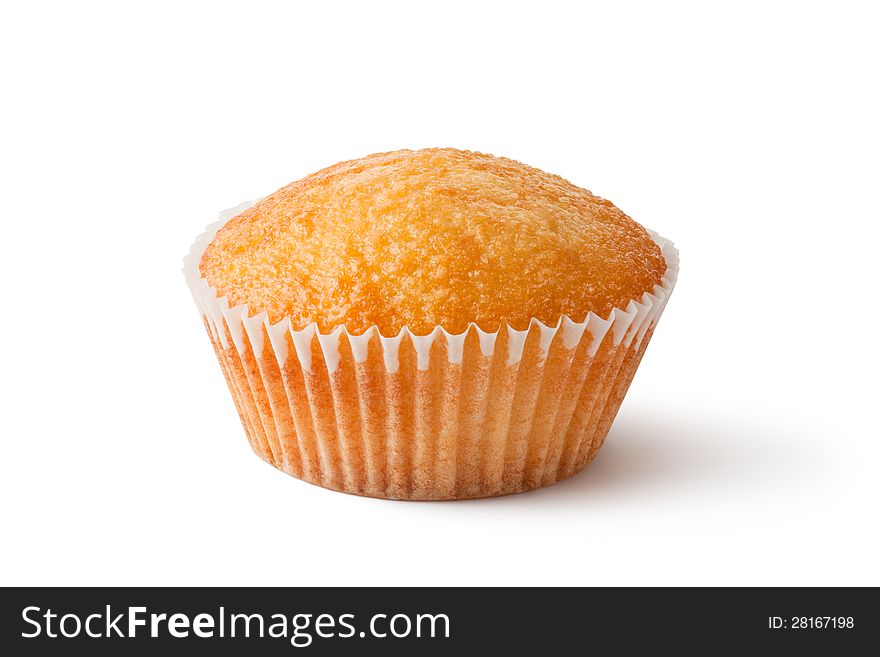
437,416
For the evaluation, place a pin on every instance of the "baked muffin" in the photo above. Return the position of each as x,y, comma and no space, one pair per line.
434,324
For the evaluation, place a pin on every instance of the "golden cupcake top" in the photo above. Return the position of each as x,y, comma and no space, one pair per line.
432,237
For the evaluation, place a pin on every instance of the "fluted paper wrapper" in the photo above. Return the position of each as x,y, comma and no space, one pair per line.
441,416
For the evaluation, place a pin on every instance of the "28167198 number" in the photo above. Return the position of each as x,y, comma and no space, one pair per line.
811,623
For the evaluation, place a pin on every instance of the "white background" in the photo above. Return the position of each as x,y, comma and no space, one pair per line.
747,449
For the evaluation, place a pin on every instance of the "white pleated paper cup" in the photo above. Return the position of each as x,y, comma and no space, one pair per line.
432,417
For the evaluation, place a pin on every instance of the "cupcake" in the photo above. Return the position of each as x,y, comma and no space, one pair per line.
429,325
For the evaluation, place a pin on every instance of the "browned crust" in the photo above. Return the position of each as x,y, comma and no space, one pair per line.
427,238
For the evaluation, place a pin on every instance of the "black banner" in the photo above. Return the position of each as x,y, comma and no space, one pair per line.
114,621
